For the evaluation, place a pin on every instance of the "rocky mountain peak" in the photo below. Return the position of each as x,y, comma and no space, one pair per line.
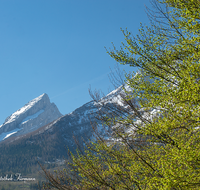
36,113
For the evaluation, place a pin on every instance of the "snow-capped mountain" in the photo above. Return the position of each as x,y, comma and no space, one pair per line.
35,114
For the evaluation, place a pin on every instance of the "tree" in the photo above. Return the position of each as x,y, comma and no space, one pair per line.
155,142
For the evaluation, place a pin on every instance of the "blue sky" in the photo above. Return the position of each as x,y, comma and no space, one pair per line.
57,47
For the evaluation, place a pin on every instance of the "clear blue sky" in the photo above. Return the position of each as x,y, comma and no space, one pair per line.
57,47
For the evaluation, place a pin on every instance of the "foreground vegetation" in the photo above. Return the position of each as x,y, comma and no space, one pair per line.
155,143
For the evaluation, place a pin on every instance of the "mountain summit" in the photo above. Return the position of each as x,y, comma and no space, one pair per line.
35,114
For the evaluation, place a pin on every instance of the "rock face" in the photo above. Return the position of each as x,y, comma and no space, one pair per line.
35,114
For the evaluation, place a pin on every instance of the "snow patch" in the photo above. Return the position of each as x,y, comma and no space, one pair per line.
3,136
32,117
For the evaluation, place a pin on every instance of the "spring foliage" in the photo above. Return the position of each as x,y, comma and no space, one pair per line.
162,149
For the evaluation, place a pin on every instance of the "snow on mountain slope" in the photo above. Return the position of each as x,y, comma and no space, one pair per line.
32,117
35,114
6,135
22,110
